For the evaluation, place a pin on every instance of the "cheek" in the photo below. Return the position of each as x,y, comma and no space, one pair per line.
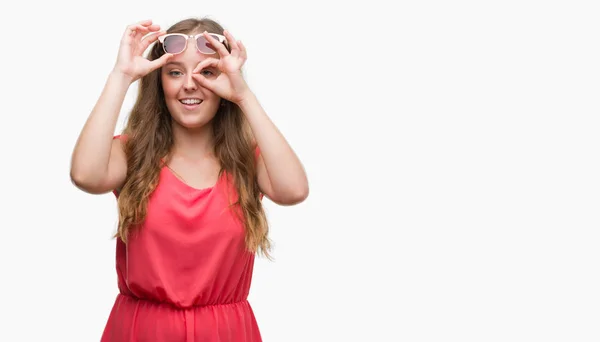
209,95
170,89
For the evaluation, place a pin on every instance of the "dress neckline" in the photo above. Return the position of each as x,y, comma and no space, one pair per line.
177,179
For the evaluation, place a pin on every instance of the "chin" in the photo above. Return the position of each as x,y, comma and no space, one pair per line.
195,119
192,122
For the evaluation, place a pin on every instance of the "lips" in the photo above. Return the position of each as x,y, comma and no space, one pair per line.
190,103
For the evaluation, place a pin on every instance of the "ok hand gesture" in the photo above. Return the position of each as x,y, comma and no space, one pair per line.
228,83
130,61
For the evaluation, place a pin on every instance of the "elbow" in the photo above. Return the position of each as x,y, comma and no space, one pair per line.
294,196
85,182
302,194
78,175
79,180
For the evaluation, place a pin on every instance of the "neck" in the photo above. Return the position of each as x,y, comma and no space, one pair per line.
193,144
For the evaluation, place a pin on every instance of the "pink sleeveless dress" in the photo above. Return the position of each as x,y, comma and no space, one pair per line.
185,276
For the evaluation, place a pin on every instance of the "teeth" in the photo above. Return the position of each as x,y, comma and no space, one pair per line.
190,101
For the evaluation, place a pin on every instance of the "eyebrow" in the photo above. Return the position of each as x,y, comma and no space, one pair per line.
181,65
175,63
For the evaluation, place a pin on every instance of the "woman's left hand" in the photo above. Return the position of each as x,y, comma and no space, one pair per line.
226,79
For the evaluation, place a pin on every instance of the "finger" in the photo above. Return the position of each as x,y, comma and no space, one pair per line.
145,22
243,53
153,27
133,33
216,44
149,39
204,82
214,62
139,31
231,41
157,63
128,34
131,29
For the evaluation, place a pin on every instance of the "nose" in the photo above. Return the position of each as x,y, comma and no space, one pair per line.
190,83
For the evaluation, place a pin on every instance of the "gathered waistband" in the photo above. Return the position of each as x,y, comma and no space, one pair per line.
141,307
175,306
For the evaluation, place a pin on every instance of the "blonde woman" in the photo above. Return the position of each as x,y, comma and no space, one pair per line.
189,171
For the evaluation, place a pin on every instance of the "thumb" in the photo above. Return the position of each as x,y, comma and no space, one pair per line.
206,83
157,63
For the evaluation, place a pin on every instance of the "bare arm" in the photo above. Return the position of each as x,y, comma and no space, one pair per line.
281,175
98,163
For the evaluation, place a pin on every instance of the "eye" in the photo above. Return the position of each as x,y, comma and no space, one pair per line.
175,73
207,72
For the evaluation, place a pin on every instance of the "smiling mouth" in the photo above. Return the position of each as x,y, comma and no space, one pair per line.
190,102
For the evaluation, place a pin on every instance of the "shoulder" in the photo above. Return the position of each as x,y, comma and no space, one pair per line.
120,137
256,151
118,144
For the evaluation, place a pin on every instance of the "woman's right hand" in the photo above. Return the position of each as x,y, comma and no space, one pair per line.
130,61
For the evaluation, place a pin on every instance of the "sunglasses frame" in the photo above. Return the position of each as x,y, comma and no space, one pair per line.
187,37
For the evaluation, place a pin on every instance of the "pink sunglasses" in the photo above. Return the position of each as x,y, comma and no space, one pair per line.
175,43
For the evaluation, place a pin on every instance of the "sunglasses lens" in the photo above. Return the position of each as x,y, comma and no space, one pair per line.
174,44
205,46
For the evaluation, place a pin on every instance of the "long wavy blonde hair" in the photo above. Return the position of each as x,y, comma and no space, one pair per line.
149,139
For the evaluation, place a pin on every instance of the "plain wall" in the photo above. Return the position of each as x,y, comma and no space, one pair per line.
451,149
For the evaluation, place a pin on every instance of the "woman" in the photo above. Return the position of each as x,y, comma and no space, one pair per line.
189,171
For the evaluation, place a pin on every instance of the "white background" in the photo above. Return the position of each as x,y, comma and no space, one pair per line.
452,151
